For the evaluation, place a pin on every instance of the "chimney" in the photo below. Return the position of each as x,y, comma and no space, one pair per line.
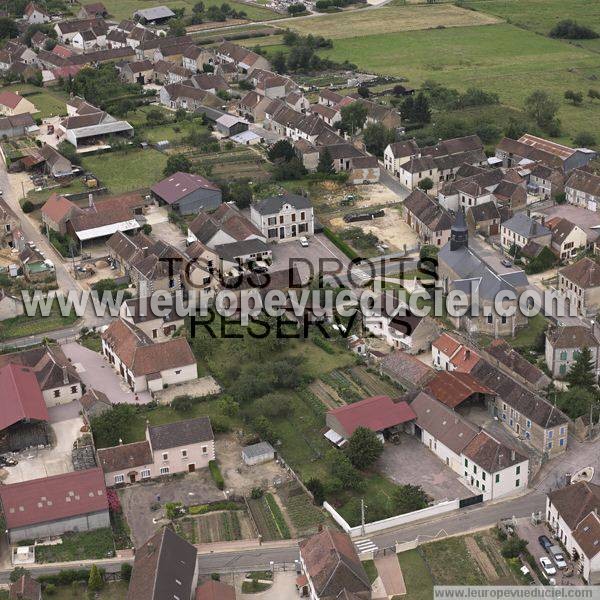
120,441
467,353
513,455
65,375
91,200
568,478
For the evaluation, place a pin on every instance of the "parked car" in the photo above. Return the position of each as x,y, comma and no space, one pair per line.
506,263
304,242
547,565
559,558
545,543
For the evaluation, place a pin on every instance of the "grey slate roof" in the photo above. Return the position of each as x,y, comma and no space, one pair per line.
525,226
180,433
156,12
232,251
272,205
260,449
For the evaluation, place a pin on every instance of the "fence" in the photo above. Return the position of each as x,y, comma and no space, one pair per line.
370,528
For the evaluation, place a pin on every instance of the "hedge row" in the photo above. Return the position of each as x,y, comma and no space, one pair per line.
216,474
339,243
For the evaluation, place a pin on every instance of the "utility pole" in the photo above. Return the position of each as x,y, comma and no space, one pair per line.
362,516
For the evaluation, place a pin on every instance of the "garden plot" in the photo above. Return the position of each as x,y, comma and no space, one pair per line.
221,526
303,514
268,518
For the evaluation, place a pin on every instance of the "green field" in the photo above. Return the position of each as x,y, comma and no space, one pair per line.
419,584
23,325
541,15
78,546
144,168
124,9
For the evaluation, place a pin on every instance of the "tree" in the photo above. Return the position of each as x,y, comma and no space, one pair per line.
513,547
279,62
175,163
296,8
147,228
376,137
126,569
281,151
17,573
582,372
575,97
363,91
409,498
425,184
585,139
315,487
182,404
421,110
155,117
177,27
8,28
289,171
342,470
568,29
325,162
542,108
576,401
69,152
95,581
113,426
354,116
242,194
364,448
515,128
489,133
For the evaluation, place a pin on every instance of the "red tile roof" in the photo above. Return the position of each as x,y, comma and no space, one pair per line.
215,590
10,99
21,396
452,388
179,185
376,413
446,344
53,498
58,208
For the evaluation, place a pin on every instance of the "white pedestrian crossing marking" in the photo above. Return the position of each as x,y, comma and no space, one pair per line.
366,546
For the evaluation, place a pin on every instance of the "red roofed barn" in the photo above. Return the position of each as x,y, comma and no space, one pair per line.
186,193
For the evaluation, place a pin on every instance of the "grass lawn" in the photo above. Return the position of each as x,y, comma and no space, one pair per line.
541,15
48,101
450,563
251,587
79,546
92,341
112,591
484,56
419,584
527,336
23,325
370,569
390,20
144,168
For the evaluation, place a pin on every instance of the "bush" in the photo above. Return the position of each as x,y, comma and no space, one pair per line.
50,589
315,486
512,547
256,493
216,474
28,206
568,29
126,569
182,404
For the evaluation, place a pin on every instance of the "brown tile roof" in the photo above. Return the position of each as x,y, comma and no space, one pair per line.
484,212
25,588
58,208
215,590
584,182
521,150
503,352
585,273
407,148
125,456
179,185
575,501
446,344
442,422
587,535
428,211
10,99
141,355
572,336
333,565
404,367
453,388
490,454
180,433
560,150
226,217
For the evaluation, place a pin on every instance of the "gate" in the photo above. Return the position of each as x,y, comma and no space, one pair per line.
470,501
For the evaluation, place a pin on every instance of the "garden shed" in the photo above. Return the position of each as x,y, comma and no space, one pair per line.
257,454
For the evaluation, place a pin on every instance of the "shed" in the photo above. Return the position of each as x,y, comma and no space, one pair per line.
231,125
257,454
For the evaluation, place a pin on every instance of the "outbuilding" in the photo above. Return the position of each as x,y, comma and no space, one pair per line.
187,194
229,125
257,454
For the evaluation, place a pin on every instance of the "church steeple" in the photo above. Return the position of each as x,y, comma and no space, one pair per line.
459,234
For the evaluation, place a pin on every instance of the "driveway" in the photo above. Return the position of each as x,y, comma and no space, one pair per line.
412,462
163,229
96,373
193,488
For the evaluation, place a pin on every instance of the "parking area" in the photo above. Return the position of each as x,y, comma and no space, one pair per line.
35,463
96,373
308,260
411,462
158,218
139,499
530,532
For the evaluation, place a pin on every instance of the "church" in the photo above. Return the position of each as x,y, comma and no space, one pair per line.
461,269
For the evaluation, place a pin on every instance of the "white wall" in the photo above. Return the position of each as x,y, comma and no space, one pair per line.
66,394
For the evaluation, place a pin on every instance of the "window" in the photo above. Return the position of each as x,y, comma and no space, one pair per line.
302,216
549,445
562,442
73,389
474,468
528,423
563,355
56,393
165,456
272,221
466,473
483,475
164,470
490,319
517,483
497,477
518,469
562,431
466,462
119,478
178,372
184,453
145,474
527,435
483,487
204,449
550,434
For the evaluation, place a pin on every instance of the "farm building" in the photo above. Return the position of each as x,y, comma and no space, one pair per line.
229,125
187,194
51,506
257,454
156,14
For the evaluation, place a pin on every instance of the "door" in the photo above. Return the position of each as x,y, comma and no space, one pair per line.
281,233
132,478
191,468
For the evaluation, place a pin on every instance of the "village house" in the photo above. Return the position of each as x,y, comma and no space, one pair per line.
209,82
530,148
331,568
166,566
572,515
215,590
54,163
139,71
564,345
398,153
406,369
244,60
448,354
57,211
67,30
547,182
94,403
12,104
521,229
473,186
511,194
90,39
380,414
9,225
568,239
583,189
17,126
186,193
484,218
284,217
144,364
57,377
10,306
138,312
580,285
427,218
180,447
178,95
35,14
25,588
170,46
96,10
194,58
461,269
35,266
52,506
224,226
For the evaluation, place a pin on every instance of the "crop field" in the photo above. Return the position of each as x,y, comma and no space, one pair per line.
223,526
541,15
390,20
264,519
303,514
236,164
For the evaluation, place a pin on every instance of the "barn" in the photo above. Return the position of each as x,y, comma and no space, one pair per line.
187,194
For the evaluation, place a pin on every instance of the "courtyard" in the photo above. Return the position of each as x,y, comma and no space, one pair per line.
410,462
138,500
